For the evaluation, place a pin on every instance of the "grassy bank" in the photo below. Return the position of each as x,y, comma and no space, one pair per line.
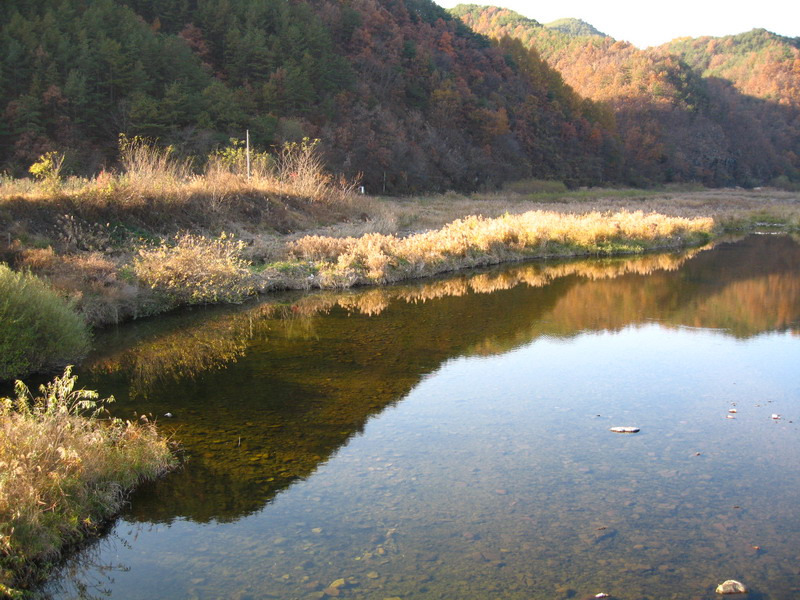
477,241
65,471
158,235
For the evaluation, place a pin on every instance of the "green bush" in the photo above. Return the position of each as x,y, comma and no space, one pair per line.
38,329
782,182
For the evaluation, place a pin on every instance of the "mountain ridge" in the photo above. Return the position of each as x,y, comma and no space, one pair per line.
404,95
731,121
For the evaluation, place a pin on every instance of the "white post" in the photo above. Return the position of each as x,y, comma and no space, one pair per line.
247,136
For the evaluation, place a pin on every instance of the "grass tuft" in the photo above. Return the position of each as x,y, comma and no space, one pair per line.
193,269
64,470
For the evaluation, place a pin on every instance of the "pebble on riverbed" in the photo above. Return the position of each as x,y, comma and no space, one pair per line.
625,429
731,586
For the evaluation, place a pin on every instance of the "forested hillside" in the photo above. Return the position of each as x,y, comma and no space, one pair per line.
398,91
401,93
718,110
758,63
575,27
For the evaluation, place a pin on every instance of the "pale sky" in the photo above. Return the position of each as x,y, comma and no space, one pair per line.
652,23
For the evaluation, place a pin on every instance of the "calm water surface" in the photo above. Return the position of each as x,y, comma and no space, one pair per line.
450,440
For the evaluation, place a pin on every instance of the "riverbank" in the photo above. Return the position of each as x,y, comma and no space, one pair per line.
127,255
116,249
64,471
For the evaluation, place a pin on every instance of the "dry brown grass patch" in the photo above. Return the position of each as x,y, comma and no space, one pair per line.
64,471
193,269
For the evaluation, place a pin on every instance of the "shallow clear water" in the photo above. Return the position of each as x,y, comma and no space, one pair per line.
451,439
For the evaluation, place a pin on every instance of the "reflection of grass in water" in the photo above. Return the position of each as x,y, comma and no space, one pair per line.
216,342
747,308
180,353
375,301
352,368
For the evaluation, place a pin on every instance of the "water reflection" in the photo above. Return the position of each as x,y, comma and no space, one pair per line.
757,294
185,345
266,395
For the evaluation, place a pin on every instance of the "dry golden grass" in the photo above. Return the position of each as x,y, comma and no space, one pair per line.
63,471
475,241
301,229
158,192
91,281
193,269
724,205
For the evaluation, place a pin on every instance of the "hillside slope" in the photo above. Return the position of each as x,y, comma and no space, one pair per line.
719,111
758,63
399,92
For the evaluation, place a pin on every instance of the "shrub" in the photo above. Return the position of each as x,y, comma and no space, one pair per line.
301,171
233,159
38,329
196,270
64,471
535,186
48,170
782,182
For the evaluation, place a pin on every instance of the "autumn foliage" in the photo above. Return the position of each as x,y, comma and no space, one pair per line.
721,111
403,95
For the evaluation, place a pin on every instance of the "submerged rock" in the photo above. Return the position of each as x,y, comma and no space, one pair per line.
731,586
335,588
625,429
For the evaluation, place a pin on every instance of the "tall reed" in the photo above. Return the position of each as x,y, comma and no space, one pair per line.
152,169
64,470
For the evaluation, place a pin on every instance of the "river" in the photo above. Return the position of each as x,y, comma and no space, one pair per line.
451,439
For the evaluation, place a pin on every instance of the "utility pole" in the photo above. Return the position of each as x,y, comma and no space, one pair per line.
247,137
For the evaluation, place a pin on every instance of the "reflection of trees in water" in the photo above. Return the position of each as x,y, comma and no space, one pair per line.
211,343
742,290
749,307
298,385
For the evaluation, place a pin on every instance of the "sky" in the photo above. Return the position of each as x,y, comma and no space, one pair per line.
650,24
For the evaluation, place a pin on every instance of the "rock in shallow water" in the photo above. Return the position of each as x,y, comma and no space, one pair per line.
731,586
625,429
